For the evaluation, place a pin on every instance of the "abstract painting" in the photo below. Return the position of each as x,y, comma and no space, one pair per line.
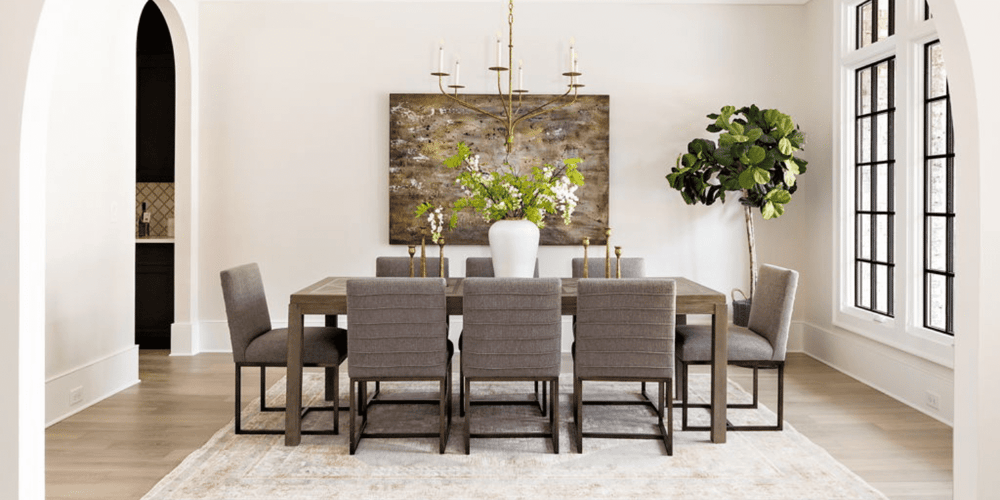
424,129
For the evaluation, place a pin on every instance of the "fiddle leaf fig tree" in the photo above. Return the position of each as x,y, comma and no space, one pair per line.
755,156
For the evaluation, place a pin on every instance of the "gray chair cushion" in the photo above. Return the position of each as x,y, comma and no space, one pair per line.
246,307
397,327
399,267
694,344
632,267
482,267
512,327
321,346
625,328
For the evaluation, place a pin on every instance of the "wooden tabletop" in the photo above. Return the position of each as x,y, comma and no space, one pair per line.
329,296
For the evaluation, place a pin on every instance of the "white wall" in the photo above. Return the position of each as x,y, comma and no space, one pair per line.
87,129
90,273
22,305
295,125
968,29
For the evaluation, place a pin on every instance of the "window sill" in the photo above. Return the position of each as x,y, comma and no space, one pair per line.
917,341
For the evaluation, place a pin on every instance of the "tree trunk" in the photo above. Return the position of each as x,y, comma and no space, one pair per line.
748,215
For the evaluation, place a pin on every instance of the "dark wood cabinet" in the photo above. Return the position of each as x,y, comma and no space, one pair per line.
154,294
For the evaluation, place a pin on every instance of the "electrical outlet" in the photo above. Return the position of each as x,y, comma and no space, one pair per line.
933,400
76,396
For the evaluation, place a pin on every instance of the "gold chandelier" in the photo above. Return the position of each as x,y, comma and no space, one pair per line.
510,116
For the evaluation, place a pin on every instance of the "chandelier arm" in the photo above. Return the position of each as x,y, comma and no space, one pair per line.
542,109
468,105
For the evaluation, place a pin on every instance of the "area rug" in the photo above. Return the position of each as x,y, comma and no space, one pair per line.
751,465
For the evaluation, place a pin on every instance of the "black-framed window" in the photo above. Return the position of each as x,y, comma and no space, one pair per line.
874,21
939,194
874,161
927,11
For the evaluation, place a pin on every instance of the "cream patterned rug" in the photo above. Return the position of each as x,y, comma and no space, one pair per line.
751,465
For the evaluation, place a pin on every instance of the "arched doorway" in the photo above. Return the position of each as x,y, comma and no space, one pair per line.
155,134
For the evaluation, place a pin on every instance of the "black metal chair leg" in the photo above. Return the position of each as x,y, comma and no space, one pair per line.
554,419
353,442
468,413
578,411
239,371
263,375
781,396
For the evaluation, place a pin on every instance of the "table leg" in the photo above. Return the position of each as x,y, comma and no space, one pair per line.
720,359
293,389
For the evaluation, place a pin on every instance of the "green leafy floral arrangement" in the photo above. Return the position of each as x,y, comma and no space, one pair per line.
505,194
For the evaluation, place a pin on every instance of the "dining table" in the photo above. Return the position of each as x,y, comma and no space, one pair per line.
328,297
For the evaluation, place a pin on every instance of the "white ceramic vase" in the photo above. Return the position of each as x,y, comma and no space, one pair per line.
514,247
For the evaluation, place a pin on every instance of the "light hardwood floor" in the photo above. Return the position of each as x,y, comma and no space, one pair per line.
121,447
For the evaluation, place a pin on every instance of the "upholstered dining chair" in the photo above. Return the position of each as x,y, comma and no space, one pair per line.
632,267
256,343
482,267
625,333
399,267
512,332
398,332
760,345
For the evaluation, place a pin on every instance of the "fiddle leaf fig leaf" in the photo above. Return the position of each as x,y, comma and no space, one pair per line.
754,134
747,180
785,146
778,196
789,178
690,160
760,176
756,155
792,166
768,210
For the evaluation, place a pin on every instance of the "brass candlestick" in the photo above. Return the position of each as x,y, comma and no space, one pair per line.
618,262
441,258
411,250
607,257
423,257
586,264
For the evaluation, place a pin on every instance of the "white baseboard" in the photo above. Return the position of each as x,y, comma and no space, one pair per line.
94,382
902,376
183,339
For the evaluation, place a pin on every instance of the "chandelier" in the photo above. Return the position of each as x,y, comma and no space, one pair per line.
511,116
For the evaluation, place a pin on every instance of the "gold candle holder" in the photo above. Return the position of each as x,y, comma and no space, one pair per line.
586,265
411,250
618,262
441,257
607,256
423,257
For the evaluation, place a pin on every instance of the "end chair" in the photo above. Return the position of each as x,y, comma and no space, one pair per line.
256,343
760,345
512,332
398,332
625,333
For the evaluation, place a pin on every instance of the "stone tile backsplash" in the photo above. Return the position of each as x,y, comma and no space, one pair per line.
160,199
